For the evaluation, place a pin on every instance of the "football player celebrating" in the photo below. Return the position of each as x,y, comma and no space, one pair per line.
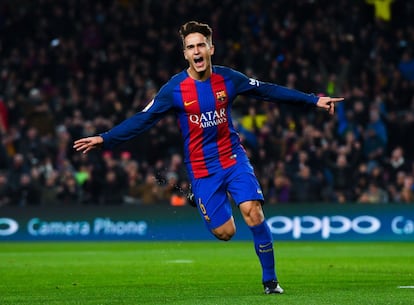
201,97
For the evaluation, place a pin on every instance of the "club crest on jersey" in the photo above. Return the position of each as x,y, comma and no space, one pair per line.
221,96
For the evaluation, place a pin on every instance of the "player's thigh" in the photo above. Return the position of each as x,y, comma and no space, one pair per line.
212,201
243,184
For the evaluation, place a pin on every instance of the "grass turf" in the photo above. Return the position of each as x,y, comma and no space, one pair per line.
203,273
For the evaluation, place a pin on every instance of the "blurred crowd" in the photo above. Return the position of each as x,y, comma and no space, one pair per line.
70,69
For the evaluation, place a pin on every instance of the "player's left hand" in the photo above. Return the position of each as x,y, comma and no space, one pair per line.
328,103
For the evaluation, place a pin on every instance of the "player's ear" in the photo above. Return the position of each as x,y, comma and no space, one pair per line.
212,49
185,54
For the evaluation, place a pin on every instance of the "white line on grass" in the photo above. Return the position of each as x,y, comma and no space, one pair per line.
180,261
405,287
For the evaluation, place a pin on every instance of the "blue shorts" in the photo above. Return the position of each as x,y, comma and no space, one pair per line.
212,192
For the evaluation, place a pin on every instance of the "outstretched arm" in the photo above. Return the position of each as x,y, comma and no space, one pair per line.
273,92
132,126
84,145
328,103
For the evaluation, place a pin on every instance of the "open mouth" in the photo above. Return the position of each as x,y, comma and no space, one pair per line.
198,61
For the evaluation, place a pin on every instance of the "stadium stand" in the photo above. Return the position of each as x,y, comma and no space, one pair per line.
75,68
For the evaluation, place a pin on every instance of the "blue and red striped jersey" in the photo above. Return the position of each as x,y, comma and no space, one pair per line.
203,110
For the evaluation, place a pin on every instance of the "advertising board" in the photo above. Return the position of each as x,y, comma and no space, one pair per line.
288,222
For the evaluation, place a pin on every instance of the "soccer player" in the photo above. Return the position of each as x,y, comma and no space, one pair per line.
201,97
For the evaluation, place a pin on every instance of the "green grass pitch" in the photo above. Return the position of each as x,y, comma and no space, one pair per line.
204,273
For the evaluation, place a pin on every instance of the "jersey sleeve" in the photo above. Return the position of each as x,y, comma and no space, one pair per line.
141,121
269,91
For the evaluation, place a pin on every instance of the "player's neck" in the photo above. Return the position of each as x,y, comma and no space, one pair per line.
200,76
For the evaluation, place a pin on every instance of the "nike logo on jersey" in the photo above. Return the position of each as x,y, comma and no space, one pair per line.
186,104
265,245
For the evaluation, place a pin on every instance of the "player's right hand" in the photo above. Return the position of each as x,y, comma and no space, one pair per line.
86,144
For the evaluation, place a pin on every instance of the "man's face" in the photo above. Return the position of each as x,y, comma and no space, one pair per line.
198,51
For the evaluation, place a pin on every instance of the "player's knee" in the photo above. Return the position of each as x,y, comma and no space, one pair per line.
256,219
252,212
224,234
226,231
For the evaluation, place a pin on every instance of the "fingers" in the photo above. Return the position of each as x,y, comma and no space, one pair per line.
86,150
83,145
331,105
328,103
336,99
331,109
81,148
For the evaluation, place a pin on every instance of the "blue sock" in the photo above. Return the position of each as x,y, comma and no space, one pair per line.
263,244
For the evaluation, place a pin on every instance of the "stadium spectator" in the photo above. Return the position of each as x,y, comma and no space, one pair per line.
27,192
342,174
134,178
5,192
68,191
49,190
306,188
280,190
373,194
361,178
148,192
171,192
407,191
18,168
396,163
113,192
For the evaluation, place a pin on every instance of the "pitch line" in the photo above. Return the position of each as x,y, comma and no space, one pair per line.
180,261
405,287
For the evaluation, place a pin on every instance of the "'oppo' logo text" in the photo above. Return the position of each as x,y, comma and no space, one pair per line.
8,226
326,225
